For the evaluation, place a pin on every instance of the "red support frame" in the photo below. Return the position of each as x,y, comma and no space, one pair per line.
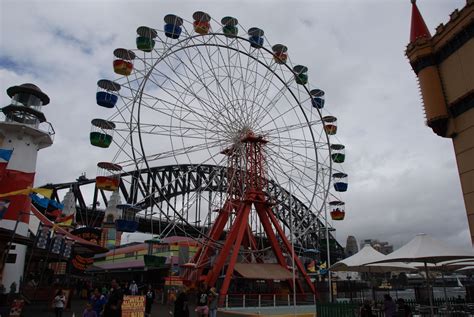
246,165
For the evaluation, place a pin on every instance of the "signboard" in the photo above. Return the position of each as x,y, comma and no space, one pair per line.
82,262
88,233
133,306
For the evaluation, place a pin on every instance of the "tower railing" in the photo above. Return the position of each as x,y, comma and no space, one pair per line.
46,126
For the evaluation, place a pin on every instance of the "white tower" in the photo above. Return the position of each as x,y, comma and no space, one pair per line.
69,203
23,132
110,236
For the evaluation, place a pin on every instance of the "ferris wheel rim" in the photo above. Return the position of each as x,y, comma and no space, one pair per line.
188,36
171,52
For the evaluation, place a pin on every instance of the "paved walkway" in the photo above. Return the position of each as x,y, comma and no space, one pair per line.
77,307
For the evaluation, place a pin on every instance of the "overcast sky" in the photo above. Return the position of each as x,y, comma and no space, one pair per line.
403,178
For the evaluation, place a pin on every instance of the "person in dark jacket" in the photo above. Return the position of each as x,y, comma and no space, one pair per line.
149,299
403,310
181,308
366,309
113,308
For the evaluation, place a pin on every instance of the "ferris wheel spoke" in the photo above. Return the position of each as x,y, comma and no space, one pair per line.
234,94
289,128
297,156
183,151
283,177
183,132
296,166
282,91
213,98
225,101
296,142
264,86
184,87
230,71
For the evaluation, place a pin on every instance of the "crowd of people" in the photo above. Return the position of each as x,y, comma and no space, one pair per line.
206,303
107,301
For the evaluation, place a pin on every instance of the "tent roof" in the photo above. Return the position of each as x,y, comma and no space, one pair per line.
263,271
423,248
359,263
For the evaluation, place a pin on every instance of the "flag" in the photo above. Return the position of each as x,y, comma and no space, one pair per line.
55,214
45,192
6,154
65,221
42,191
25,191
41,202
54,204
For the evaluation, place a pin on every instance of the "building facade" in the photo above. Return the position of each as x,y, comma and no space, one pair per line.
351,246
381,246
444,65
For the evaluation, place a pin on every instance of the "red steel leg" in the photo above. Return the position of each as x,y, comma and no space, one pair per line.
242,225
289,248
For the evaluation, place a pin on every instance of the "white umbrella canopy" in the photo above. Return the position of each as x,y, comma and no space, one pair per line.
424,248
359,263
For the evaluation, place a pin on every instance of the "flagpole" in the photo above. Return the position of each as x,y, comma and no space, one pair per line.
328,250
292,251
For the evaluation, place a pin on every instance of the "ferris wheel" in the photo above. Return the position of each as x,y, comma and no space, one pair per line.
211,92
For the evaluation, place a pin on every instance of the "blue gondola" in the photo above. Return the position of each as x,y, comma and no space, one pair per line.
256,37
340,182
128,221
106,96
317,98
173,26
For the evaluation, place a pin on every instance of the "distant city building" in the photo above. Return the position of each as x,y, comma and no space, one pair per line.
383,247
351,246
444,65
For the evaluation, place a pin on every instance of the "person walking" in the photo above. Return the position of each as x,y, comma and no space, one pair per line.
98,301
113,308
89,311
181,308
366,309
133,288
403,310
213,302
389,307
149,299
202,309
59,302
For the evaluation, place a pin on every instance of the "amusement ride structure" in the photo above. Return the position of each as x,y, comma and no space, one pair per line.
219,138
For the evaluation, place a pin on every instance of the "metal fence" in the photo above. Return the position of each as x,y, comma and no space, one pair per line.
443,308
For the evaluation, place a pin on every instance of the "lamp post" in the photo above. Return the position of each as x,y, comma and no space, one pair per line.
349,277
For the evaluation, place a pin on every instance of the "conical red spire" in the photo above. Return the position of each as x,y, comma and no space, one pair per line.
418,25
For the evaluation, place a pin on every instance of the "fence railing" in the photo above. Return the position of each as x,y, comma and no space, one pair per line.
449,307
265,300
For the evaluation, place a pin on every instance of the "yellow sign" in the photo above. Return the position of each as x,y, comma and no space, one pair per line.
133,306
